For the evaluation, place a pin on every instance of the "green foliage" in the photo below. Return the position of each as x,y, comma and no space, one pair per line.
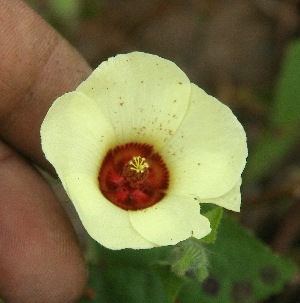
97,291
66,9
129,276
283,130
287,109
214,216
170,282
114,283
132,257
67,14
131,284
242,269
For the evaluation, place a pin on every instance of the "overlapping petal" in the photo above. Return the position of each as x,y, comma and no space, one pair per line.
231,200
144,96
105,222
207,154
173,219
76,135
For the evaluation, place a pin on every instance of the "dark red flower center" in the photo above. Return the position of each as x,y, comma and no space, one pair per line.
133,176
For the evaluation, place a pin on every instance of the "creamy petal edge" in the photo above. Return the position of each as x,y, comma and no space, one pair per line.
173,219
231,200
75,135
144,96
209,147
106,223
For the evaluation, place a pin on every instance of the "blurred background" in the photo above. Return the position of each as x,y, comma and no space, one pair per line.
247,54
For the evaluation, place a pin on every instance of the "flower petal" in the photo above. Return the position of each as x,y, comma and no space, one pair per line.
231,200
106,223
75,135
173,219
207,154
145,96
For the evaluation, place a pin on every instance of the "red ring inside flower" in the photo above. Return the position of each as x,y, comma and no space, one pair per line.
133,176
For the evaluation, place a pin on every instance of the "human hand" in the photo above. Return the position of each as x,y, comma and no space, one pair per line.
40,259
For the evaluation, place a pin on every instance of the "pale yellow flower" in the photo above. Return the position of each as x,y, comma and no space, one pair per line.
138,147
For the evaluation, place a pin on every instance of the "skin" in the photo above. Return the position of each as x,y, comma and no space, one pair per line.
40,258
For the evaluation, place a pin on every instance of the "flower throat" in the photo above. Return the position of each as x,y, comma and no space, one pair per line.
133,176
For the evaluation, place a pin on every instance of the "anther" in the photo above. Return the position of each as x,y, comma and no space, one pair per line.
138,164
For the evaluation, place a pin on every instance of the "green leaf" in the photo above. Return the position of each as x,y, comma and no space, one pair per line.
242,269
214,216
270,149
134,285
132,257
66,9
283,130
130,275
287,109
170,282
96,291
110,283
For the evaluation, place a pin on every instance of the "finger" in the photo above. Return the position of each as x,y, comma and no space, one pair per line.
39,66
40,260
35,236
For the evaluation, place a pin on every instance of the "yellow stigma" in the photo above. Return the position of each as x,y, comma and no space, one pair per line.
138,164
